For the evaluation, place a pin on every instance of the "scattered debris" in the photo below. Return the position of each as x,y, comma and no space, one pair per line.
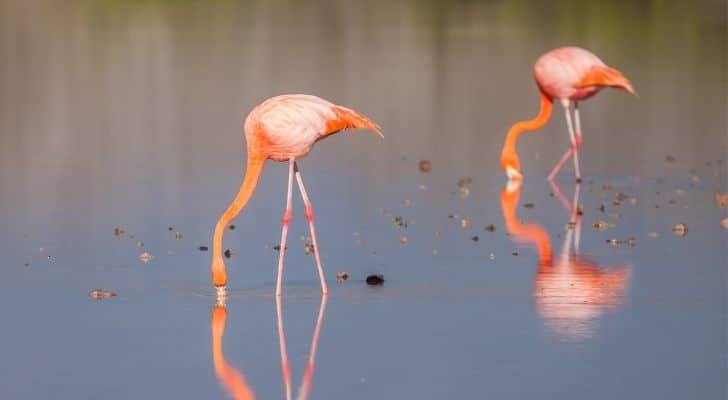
27,264
464,182
602,208
619,198
490,228
403,240
570,225
118,231
653,234
680,229
579,210
308,248
475,238
463,192
515,253
724,223
528,205
100,294
669,158
632,241
145,257
278,247
465,223
633,201
375,279
231,227
406,202
614,242
139,243
491,256
399,222
721,199
425,166
203,248
602,225
342,276
170,228
177,236
228,253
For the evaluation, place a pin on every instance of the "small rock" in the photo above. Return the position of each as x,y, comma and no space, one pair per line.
669,158
228,253
724,223
680,229
602,208
579,210
170,228
100,294
399,222
491,256
406,202
425,166
515,253
342,276
278,247
632,241
602,225
570,225
614,242
308,248
203,248
231,227
177,236
145,257
463,192
465,223
528,205
475,238
118,231
403,240
721,199
490,228
653,234
464,182
140,243
375,279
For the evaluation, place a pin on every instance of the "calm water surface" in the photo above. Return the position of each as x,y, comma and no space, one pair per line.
119,114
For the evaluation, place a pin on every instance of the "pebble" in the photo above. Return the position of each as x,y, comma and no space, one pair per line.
203,248
464,182
465,223
425,166
118,231
375,279
228,253
490,228
308,248
570,225
100,294
463,192
406,202
653,234
403,240
602,225
145,257
170,228
491,256
342,276
399,222
475,238
680,229
231,227
528,205
177,236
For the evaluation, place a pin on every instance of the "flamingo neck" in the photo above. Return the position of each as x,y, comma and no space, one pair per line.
509,155
532,234
252,173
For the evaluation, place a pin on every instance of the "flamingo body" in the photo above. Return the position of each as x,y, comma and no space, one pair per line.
570,74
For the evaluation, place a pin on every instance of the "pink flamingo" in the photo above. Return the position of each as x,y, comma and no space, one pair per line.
570,74
283,128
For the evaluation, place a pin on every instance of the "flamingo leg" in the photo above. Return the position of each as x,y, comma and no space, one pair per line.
309,217
575,143
305,388
285,367
285,221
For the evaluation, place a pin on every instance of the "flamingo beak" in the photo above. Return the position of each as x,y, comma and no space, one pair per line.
513,174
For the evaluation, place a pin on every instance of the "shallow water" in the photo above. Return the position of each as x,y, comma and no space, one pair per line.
117,114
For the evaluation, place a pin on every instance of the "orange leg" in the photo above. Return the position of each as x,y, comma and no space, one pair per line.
309,217
285,221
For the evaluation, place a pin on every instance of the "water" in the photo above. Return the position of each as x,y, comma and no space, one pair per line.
130,114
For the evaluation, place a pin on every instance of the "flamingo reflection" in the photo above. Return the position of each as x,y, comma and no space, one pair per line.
234,381
570,290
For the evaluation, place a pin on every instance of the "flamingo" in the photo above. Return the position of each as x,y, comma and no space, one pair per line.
234,381
569,74
571,291
284,128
